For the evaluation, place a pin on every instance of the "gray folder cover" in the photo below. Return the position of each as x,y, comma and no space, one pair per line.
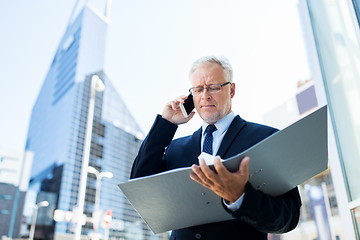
171,200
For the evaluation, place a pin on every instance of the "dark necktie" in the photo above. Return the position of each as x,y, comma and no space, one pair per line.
208,142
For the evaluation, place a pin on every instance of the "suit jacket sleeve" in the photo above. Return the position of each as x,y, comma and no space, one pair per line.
150,157
267,213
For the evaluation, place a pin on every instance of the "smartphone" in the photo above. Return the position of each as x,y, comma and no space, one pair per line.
188,106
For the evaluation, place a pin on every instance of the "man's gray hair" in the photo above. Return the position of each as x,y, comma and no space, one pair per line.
222,61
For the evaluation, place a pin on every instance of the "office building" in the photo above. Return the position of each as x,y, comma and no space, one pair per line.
57,136
332,36
14,180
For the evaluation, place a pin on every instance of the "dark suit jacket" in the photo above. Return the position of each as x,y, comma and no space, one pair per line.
259,213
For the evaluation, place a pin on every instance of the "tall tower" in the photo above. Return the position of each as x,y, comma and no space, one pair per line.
57,131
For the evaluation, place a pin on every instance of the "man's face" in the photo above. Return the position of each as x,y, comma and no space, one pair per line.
212,106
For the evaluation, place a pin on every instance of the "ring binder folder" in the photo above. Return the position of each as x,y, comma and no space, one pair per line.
283,161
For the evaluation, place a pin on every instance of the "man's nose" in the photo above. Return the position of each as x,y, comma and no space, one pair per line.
205,94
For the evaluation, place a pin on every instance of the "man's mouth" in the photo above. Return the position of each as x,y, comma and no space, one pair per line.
207,106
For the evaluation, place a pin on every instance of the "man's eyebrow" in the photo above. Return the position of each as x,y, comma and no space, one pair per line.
210,83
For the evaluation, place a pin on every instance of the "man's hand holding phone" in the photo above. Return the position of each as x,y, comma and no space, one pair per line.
187,106
179,111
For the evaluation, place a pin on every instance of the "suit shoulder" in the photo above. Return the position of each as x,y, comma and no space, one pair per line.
182,139
262,127
256,130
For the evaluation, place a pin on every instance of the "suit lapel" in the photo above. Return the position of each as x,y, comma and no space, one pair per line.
236,125
196,146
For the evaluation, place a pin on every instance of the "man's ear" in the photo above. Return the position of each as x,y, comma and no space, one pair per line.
232,90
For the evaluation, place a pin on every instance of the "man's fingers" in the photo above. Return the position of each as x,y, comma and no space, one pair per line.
219,167
194,177
180,99
202,176
174,105
244,166
209,174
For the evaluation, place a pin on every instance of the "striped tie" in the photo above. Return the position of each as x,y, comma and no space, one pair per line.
208,142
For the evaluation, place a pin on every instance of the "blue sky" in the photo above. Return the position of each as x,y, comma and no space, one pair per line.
152,46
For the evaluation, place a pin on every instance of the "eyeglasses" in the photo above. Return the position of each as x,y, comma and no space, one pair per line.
212,88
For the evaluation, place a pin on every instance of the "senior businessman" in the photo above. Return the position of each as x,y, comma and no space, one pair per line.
222,134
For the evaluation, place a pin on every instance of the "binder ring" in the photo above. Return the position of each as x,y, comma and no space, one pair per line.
260,186
256,172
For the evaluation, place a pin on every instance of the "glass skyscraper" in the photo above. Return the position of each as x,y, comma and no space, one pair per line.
56,136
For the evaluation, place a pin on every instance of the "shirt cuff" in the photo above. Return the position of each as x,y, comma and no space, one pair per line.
235,205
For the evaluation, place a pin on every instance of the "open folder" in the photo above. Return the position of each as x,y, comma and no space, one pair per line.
171,200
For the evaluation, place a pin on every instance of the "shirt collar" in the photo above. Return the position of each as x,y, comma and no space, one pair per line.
222,125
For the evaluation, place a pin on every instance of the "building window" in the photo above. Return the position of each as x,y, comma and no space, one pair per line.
6,197
4,212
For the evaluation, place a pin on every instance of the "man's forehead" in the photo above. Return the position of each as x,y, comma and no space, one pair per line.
207,73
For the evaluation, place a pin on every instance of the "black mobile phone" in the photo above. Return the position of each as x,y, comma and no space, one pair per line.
188,106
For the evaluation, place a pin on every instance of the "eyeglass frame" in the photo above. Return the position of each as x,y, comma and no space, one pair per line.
207,88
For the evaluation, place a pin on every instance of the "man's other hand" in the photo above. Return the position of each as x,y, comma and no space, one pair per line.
224,183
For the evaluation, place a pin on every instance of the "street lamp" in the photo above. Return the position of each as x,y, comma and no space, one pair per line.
99,176
33,222
96,86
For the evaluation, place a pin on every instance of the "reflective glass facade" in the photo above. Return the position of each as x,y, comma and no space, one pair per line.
57,135
335,26
338,48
